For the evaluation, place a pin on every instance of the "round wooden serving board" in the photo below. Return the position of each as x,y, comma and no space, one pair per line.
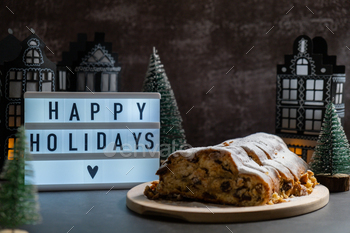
207,212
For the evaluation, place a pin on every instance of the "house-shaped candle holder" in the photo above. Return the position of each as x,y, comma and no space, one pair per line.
306,82
89,66
30,70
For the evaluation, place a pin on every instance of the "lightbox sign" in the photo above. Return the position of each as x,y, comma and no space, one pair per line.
92,140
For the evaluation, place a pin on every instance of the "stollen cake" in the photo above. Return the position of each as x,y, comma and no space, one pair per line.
256,170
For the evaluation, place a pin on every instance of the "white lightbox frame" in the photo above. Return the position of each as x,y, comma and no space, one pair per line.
130,141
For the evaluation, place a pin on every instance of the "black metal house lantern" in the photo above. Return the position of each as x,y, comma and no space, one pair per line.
306,82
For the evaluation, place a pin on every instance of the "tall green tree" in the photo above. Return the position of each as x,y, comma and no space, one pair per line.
332,152
18,197
172,135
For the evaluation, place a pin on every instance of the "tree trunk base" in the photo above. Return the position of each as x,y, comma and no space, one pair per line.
335,183
14,231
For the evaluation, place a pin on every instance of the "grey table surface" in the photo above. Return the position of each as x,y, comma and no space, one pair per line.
103,211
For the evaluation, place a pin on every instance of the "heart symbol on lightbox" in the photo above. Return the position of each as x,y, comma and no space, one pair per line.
92,171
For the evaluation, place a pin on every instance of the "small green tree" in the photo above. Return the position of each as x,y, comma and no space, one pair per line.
172,135
18,198
332,152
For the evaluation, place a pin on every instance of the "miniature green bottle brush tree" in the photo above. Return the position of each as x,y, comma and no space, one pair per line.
331,159
172,135
18,197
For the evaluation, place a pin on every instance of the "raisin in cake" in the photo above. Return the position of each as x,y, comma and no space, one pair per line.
255,170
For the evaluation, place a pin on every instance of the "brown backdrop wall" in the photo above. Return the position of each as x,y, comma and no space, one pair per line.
198,42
